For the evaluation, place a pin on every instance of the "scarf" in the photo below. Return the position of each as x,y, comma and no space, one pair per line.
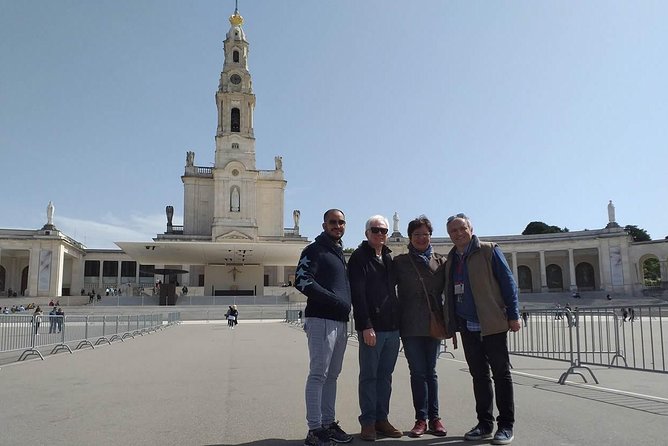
423,256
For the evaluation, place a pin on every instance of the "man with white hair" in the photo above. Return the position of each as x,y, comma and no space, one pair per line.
482,303
377,319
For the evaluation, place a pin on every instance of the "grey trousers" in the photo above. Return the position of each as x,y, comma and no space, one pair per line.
327,342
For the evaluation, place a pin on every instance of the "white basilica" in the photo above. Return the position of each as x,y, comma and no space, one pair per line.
233,241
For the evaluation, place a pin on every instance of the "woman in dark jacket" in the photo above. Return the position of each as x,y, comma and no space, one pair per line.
420,275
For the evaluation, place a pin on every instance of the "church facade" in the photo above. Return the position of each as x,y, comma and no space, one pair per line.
233,241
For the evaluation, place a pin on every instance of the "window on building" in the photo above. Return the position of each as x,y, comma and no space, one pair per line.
92,268
144,270
200,280
236,120
235,56
109,268
128,268
235,145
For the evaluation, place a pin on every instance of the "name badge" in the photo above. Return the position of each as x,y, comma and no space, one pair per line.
459,288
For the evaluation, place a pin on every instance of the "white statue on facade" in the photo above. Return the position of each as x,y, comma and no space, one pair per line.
278,161
395,222
295,216
190,158
49,213
611,212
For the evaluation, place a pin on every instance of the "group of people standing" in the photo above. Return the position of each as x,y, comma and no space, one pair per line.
472,291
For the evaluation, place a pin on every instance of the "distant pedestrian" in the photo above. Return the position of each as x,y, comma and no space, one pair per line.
37,319
525,316
52,320
632,314
60,319
625,314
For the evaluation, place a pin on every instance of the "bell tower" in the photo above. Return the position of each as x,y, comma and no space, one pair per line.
234,173
235,101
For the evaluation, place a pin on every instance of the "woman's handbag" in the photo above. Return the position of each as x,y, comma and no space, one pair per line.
437,326
436,320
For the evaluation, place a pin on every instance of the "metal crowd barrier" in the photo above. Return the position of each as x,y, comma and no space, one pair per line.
295,312
32,334
633,338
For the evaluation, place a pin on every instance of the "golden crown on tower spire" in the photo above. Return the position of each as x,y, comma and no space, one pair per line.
236,19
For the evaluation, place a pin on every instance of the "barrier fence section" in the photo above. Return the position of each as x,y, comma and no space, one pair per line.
34,333
631,337
294,315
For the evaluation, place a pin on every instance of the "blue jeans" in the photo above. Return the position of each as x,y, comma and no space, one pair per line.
421,353
375,379
327,340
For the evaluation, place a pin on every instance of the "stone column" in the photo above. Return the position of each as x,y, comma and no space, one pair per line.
280,275
604,267
118,275
33,271
663,268
185,278
543,274
571,269
99,289
57,266
77,276
514,259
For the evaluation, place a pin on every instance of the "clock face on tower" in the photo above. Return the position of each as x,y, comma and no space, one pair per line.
235,79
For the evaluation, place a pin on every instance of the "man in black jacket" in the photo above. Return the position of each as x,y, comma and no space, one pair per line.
377,318
321,276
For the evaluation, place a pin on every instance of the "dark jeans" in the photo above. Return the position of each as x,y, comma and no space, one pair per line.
375,379
483,352
421,353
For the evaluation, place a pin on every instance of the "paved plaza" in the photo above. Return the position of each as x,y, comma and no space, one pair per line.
203,384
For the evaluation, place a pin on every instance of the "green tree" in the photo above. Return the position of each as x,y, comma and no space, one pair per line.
651,272
538,227
638,234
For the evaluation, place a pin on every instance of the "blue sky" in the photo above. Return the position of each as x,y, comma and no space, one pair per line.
509,111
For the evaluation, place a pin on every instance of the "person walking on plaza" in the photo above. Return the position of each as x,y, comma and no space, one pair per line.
482,303
53,320
525,316
322,277
420,277
37,319
60,318
377,318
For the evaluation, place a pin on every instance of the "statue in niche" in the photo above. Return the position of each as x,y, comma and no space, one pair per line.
395,222
50,208
611,212
190,158
278,161
169,210
295,216
235,199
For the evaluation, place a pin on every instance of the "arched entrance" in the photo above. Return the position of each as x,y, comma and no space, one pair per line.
555,280
651,272
524,278
24,281
584,277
